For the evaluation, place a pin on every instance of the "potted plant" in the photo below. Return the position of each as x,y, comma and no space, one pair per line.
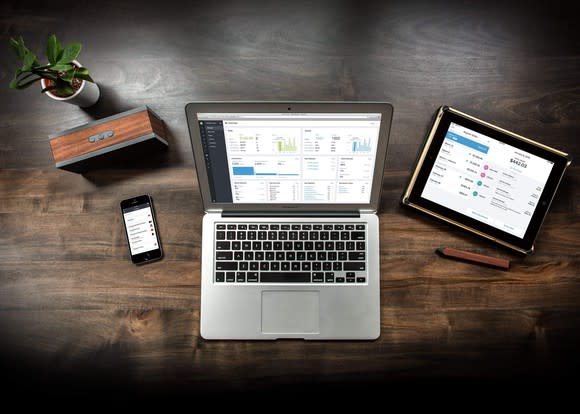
63,78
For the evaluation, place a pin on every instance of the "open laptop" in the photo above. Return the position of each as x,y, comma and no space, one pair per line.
290,245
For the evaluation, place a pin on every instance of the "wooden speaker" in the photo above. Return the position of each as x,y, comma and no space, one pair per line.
108,141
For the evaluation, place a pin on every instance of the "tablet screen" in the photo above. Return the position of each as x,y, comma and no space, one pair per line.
487,180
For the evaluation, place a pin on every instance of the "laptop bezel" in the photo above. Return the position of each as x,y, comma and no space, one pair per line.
385,109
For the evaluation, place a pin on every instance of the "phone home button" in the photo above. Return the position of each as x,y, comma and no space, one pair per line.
146,257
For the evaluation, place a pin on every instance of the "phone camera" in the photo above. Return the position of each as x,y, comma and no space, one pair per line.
289,108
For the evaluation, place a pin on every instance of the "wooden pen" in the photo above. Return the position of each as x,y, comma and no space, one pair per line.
473,257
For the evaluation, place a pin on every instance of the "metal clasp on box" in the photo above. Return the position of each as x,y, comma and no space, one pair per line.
100,137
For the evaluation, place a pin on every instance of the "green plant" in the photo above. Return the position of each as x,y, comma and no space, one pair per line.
60,71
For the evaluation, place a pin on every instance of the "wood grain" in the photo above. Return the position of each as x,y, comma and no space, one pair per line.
77,317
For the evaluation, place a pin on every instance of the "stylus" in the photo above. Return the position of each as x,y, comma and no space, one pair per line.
473,257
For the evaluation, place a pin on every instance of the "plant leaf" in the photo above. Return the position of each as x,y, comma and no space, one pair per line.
70,53
64,88
52,49
69,75
15,45
83,73
29,61
61,67
26,84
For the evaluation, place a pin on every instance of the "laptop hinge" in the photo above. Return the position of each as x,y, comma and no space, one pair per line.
288,214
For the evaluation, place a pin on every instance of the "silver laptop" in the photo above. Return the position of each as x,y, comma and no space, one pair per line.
290,245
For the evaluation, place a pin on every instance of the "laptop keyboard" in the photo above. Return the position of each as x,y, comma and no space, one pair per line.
290,253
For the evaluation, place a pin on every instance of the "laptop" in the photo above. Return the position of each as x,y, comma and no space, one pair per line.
290,243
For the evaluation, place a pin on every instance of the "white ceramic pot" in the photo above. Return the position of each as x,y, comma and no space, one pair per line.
87,95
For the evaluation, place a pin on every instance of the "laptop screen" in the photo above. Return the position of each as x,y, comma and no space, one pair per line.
298,158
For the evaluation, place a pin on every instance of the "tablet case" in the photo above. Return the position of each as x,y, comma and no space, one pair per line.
421,158
108,141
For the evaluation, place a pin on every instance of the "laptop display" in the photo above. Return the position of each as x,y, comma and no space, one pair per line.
298,158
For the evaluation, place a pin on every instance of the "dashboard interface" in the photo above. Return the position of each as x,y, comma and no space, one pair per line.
308,158
487,180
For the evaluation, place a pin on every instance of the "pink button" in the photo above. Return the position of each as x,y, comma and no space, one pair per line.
482,174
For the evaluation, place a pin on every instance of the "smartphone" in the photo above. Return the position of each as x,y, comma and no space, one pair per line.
141,229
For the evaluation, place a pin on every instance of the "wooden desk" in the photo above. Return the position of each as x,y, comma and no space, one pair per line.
74,311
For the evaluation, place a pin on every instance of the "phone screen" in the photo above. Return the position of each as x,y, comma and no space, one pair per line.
141,231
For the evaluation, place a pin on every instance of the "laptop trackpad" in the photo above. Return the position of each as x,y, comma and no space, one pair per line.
290,312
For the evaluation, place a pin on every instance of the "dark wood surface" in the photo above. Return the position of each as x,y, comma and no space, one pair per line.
76,315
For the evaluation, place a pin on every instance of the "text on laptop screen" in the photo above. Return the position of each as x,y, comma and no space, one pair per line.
290,157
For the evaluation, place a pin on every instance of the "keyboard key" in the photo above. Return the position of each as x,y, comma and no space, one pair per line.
275,266
240,277
243,265
219,255
339,280
317,227
317,277
360,226
226,266
356,256
231,235
263,227
357,235
329,277
264,266
350,280
349,227
354,266
360,245
242,227
220,226
236,245
360,279
285,277
338,227
230,276
253,227
220,276
231,226
238,255
220,235
252,277
274,227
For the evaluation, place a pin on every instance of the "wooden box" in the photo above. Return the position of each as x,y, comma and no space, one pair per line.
110,140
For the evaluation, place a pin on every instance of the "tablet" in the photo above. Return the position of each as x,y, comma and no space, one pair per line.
485,179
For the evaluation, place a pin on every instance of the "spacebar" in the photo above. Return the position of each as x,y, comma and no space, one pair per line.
285,277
